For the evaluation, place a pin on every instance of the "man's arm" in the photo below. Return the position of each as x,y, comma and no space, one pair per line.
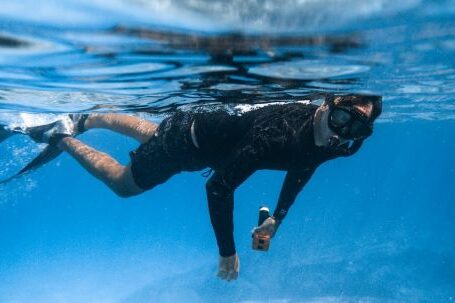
220,195
294,181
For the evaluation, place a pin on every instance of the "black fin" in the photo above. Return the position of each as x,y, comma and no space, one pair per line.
48,154
36,132
5,133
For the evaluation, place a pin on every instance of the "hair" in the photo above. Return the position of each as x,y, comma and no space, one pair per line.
350,100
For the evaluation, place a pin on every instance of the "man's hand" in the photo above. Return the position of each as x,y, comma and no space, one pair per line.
229,267
268,228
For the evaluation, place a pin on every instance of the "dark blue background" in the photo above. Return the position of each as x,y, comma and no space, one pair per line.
376,226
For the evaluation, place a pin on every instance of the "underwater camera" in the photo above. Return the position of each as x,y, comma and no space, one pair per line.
261,241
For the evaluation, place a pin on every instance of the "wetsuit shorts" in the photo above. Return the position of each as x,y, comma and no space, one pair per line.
169,152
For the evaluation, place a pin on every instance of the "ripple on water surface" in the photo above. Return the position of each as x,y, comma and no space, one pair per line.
125,67
308,70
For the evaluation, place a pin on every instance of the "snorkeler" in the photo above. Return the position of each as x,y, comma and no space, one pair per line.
294,137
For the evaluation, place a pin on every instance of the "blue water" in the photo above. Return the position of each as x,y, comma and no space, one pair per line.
376,227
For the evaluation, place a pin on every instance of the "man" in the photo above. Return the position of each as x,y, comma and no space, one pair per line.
295,137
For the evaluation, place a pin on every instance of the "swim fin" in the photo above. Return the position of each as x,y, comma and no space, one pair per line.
5,133
48,154
33,132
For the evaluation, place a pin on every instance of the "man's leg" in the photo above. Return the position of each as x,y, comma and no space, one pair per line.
118,177
139,129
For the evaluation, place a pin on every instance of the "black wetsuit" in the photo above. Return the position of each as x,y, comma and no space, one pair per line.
278,137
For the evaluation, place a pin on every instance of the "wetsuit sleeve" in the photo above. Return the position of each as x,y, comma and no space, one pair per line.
220,195
294,181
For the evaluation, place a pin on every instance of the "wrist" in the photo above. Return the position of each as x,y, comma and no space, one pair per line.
279,215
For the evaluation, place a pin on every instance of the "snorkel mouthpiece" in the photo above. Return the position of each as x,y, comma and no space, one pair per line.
334,141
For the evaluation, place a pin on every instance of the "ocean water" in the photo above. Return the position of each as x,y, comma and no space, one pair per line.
375,227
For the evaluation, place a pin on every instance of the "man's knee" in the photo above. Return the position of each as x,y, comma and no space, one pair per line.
123,184
123,192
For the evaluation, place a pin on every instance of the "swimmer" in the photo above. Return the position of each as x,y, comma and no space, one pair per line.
293,137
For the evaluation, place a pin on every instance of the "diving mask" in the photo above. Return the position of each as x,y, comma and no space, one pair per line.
349,123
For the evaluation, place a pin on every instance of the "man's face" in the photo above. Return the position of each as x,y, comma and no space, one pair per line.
324,136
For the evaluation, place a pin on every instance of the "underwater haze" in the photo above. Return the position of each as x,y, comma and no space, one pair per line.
375,227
